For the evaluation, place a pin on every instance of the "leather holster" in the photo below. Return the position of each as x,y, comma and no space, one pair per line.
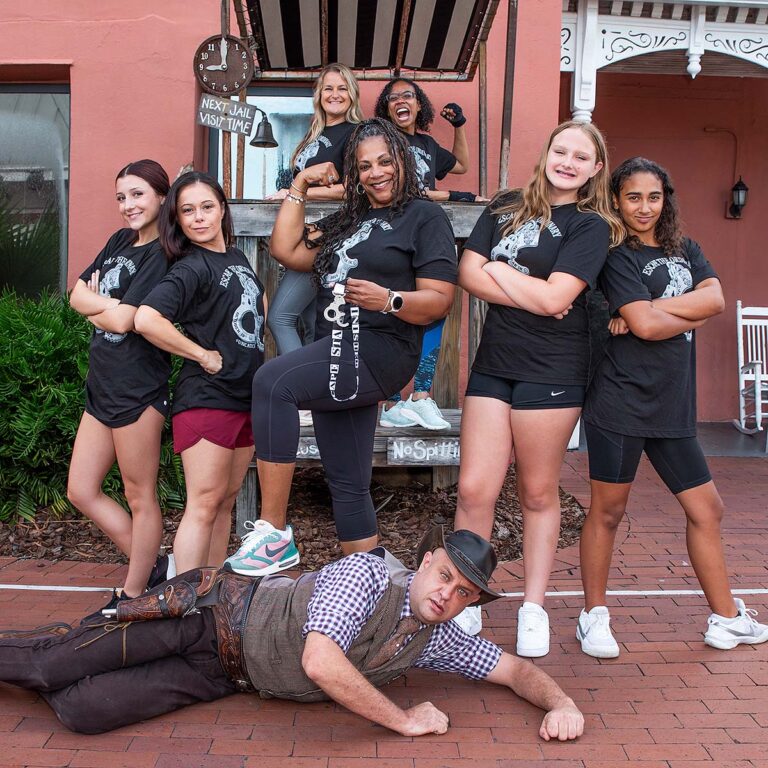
173,599
230,610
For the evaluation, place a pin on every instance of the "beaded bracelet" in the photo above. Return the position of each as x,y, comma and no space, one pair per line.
294,199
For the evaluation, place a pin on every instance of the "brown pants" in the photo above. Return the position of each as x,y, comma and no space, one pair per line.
102,676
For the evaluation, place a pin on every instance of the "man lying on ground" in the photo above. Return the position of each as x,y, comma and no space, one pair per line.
335,634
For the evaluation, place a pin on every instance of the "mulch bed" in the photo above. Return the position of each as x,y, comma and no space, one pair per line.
405,513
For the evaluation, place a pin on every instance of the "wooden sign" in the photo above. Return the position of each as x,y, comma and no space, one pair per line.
307,450
226,115
423,450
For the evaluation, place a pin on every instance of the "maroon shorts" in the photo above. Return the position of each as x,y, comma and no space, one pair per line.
229,429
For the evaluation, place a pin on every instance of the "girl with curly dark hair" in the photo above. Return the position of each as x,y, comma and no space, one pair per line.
660,288
385,263
404,103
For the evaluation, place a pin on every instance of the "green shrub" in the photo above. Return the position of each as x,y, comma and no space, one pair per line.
43,365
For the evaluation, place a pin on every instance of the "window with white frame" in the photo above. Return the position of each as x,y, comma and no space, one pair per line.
289,111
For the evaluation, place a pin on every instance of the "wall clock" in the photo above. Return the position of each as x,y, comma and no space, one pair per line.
223,65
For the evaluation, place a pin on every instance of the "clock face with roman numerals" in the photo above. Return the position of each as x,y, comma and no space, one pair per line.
223,65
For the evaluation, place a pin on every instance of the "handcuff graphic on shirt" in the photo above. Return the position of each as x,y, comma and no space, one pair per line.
334,312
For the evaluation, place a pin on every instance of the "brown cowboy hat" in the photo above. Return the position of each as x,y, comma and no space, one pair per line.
470,553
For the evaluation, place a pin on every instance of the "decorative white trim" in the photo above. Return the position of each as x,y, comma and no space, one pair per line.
590,41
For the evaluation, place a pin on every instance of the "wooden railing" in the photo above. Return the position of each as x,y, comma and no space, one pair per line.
253,222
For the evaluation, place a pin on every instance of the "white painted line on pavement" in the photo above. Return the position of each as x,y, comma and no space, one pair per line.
53,588
610,593
643,593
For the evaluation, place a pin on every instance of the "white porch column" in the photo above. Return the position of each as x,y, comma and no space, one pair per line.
585,73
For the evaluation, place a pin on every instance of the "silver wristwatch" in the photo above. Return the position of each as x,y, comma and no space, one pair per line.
394,303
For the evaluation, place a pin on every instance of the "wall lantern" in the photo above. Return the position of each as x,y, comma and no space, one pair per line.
738,199
264,138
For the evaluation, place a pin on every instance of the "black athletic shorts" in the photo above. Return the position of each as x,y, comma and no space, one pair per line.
614,458
525,395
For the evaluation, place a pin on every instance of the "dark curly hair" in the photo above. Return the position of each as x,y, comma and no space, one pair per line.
667,231
175,243
426,112
348,218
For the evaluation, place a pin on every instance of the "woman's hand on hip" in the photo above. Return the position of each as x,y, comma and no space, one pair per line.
366,294
211,361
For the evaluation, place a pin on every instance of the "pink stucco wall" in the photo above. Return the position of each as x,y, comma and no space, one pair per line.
535,104
663,118
132,92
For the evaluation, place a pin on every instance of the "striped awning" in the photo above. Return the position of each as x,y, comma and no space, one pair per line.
373,37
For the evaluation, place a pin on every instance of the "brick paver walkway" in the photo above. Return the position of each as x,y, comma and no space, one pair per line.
668,700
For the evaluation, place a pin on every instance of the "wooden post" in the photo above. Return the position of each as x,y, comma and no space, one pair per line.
483,95
509,87
324,32
400,53
226,164
446,385
241,137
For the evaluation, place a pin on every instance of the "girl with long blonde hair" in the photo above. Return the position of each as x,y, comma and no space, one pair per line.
533,255
336,100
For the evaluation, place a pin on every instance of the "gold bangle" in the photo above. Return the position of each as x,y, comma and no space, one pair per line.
300,191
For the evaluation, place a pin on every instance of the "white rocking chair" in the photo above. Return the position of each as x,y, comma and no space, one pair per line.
752,333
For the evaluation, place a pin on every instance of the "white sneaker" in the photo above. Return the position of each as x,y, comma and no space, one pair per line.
725,633
470,620
425,413
593,630
532,631
394,416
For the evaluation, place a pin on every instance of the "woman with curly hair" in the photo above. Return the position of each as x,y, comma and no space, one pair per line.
404,103
660,288
385,264
533,254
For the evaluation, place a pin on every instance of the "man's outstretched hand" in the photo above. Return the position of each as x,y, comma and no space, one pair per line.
562,723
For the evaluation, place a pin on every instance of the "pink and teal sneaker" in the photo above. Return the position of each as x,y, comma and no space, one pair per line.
264,550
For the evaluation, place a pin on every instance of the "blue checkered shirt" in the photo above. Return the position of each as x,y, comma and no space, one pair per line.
346,595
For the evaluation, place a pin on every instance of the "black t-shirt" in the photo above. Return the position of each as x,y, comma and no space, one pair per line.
392,251
518,344
648,388
126,372
432,161
329,146
219,302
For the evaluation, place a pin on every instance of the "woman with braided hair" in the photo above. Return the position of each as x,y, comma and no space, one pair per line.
385,264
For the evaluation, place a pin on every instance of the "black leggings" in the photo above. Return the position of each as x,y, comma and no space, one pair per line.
614,458
344,430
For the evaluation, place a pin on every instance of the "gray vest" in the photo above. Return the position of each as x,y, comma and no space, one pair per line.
273,645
